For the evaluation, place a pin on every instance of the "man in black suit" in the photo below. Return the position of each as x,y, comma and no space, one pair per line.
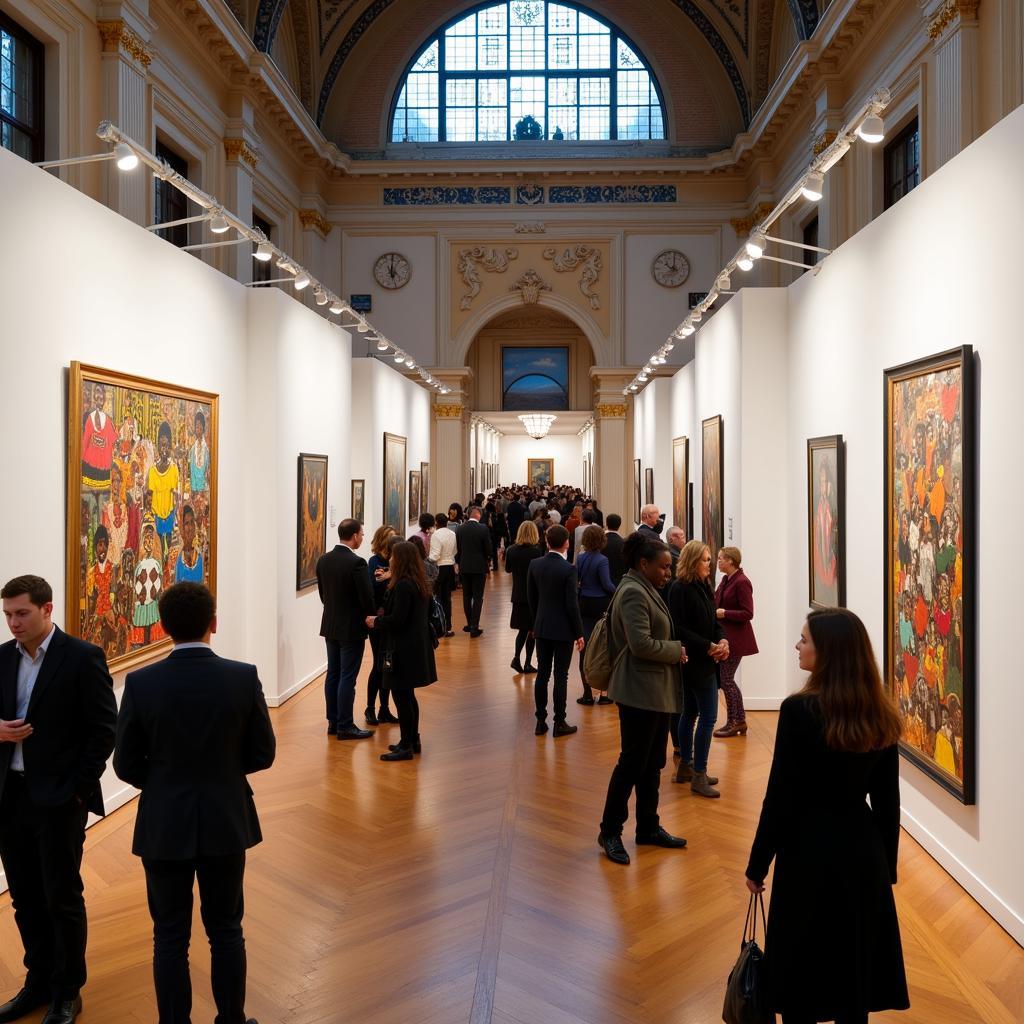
557,625
613,548
190,729
652,522
676,538
473,557
514,516
57,716
344,584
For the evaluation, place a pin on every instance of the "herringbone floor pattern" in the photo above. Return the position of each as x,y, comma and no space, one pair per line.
467,887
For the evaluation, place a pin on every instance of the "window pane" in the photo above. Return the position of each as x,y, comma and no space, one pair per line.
595,123
492,53
595,51
461,92
492,92
634,88
526,48
460,124
493,124
564,119
634,123
459,53
526,96
527,12
421,126
589,25
428,59
657,124
422,90
562,52
561,92
492,21
627,58
561,19
595,92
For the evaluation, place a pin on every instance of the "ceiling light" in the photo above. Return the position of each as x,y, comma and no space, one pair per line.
264,251
302,281
219,224
696,317
125,157
633,387
643,377
320,295
669,346
285,264
362,327
382,345
410,362
745,262
871,129
337,308
812,186
687,330
755,245
399,357
537,425
724,282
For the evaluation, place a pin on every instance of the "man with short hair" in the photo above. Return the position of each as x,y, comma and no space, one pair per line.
675,538
426,528
651,522
473,548
57,721
442,553
514,516
190,729
613,548
586,519
347,595
552,590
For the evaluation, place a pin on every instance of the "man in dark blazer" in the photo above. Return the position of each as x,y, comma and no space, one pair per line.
473,557
613,548
344,584
514,516
57,716
190,729
557,626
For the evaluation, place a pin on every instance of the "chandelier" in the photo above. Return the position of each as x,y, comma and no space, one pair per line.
537,425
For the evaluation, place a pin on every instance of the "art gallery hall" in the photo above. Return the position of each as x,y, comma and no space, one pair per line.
270,265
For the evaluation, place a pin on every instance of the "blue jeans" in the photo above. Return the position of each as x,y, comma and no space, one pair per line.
700,708
343,660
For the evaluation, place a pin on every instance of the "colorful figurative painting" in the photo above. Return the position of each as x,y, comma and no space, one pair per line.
711,497
393,494
311,538
540,472
534,378
826,526
414,495
680,483
359,500
142,505
649,486
636,491
930,564
424,487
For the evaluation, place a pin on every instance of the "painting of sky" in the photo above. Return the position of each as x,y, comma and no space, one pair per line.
535,378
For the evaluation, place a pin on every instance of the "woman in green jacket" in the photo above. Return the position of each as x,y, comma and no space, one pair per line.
646,685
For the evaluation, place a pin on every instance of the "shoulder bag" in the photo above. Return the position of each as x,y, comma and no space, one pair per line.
746,996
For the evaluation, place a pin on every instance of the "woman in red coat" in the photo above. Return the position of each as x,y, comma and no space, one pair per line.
734,601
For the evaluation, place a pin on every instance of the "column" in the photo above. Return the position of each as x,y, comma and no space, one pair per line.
315,229
449,444
125,30
956,91
241,152
613,442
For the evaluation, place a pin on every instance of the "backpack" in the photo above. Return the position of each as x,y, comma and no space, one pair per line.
598,663
436,621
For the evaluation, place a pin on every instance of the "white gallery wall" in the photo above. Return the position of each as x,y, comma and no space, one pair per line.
652,425
517,449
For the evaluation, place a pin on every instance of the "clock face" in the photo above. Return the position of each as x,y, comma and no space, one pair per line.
670,268
392,270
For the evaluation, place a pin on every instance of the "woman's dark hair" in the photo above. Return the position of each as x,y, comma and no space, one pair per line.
857,712
407,564
418,541
186,611
458,511
440,520
426,521
639,547
593,539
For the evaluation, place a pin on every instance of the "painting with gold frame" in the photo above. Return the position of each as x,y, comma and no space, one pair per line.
414,496
141,506
680,483
393,493
311,518
540,472
712,500
359,500
424,487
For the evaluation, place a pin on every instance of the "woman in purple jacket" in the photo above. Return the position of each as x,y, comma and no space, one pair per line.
734,600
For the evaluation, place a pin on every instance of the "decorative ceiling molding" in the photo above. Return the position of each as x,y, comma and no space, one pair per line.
268,18
581,255
529,286
331,14
472,261
531,227
743,225
304,51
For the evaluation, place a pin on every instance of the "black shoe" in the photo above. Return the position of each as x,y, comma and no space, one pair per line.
605,700
542,727
516,666
475,633
467,629
384,717
370,717
563,728
416,747
613,848
352,732
662,838
529,669
451,632
252,1020
588,701
64,1011
332,730
401,754
23,1004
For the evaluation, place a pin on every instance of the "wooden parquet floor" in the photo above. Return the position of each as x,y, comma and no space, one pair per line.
467,887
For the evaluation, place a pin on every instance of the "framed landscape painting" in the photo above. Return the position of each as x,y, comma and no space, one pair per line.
311,532
540,472
636,491
711,496
141,506
930,563
649,486
826,521
424,486
680,483
414,496
359,500
393,494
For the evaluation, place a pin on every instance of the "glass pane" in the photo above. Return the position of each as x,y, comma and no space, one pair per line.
561,92
526,48
527,12
422,90
459,52
460,124
595,92
15,140
627,58
492,21
526,96
657,124
428,59
562,52
634,123
563,119
561,19
493,124
492,92
595,51
421,126
492,53
461,92
398,127
592,25
595,123
634,88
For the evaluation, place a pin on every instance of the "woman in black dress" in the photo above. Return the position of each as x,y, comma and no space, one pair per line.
407,644
517,561
833,946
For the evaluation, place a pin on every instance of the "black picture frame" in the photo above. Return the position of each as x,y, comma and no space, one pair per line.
636,491
820,549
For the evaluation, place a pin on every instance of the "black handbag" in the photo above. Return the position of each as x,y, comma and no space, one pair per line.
746,993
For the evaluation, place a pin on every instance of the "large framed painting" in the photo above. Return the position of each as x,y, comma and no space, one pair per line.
680,483
311,533
649,486
534,378
930,563
540,472
424,486
826,522
393,494
472,482
359,500
414,495
636,491
711,490
141,506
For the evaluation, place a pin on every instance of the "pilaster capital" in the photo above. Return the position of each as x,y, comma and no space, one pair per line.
611,411
448,411
314,220
239,151
118,37
947,13
744,225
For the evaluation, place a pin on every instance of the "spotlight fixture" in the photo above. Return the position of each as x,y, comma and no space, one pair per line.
687,330
669,346
264,251
382,345
745,262
125,157
537,425
399,357
643,377
321,297
633,387
696,317
755,245
724,282
337,308
302,281
871,129
362,327
285,264
410,362
812,187
219,223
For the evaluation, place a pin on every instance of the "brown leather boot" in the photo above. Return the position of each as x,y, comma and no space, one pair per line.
701,785
684,773
732,729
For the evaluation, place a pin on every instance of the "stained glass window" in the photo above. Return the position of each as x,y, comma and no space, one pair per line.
575,75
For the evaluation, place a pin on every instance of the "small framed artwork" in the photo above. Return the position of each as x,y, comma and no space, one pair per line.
636,491
414,496
712,498
930,563
424,486
586,483
472,482
311,538
359,500
681,483
394,482
540,472
826,521
648,486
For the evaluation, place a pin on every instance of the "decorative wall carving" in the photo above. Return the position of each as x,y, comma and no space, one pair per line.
440,195
529,286
314,220
743,225
472,261
581,255
116,35
448,412
966,10
590,194
239,149
529,195
612,411
531,227
823,141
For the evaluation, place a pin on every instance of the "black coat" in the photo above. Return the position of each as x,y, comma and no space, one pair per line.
552,589
833,942
405,628
514,516
613,552
345,589
517,561
190,729
73,713
473,548
695,623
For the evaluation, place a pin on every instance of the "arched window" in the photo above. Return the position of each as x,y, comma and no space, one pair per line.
485,76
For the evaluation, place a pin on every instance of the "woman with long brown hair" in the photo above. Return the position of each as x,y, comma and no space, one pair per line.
408,649
833,946
377,567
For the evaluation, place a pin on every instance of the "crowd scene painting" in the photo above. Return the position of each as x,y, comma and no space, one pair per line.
141,503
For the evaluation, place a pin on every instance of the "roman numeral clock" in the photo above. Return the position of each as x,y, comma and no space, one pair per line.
392,270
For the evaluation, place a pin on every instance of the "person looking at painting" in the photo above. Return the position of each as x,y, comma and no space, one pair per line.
518,557
651,522
473,557
835,856
442,554
595,590
613,544
379,573
343,582
734,607
163,483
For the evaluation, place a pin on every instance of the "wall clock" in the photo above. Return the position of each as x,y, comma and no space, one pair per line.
392,270
670,268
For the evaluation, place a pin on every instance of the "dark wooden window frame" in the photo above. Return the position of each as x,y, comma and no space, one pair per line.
34,131
263,270
168,203
899,145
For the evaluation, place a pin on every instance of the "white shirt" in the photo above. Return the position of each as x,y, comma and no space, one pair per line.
28,673
190,644
442,547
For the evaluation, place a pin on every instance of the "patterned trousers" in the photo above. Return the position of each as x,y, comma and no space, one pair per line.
733,697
